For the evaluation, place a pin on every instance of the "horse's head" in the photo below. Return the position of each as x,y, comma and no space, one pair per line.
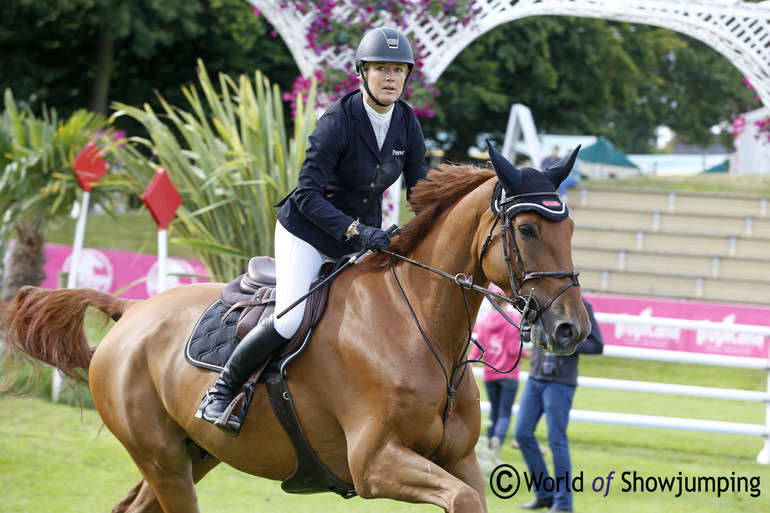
533,253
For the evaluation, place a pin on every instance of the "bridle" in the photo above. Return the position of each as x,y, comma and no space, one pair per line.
526,305
505,208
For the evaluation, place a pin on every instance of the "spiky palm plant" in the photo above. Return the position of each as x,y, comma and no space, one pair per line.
37,183
229,156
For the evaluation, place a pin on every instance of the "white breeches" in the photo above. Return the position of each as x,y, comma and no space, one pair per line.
296,266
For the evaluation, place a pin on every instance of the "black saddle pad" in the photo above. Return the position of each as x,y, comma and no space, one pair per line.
212,340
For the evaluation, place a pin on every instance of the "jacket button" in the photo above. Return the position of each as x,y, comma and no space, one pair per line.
377,166
372,185
365,200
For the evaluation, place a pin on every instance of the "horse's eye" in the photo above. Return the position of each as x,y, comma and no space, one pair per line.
526,231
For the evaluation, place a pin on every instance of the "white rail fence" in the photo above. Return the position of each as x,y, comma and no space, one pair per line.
631,419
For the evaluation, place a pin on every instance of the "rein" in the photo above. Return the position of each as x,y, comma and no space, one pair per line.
451,388
465,283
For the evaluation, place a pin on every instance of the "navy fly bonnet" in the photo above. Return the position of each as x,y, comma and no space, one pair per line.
530,190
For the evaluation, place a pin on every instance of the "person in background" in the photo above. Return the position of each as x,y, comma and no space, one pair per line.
502,345
574,177
551,159
549,390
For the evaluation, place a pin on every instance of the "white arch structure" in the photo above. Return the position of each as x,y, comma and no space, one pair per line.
738,30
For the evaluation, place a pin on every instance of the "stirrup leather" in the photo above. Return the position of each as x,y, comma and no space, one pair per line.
227,422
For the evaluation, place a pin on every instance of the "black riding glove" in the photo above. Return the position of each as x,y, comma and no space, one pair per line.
372,238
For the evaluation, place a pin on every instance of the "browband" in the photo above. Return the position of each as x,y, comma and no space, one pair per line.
547,204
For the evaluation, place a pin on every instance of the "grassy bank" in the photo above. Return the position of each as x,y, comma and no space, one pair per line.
712,182
125,231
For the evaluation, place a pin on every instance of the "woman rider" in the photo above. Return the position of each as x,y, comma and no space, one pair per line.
360,146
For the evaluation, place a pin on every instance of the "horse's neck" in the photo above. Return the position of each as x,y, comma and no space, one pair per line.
441,309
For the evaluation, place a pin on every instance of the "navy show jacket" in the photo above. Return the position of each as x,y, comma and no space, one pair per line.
344,173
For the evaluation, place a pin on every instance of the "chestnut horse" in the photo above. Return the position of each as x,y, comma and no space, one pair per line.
370,391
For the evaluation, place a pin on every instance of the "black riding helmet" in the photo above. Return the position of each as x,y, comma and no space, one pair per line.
383,44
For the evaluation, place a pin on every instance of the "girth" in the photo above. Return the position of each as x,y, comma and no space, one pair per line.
310,475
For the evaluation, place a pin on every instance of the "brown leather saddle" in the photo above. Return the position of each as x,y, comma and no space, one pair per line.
243,303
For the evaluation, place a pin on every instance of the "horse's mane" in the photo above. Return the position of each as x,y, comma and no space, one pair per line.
442,188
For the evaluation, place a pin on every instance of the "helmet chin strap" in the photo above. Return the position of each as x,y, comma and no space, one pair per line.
374,98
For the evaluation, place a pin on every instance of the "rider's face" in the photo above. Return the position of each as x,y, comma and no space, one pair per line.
386,81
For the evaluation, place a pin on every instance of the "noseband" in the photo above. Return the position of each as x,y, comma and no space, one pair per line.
505,210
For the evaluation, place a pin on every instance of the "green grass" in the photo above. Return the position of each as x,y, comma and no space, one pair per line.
126,231
58,458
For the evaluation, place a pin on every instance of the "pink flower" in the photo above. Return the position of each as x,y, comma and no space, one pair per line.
325,26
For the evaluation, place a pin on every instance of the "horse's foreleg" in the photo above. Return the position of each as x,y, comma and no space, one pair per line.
396,472
457,453
468,470
141,498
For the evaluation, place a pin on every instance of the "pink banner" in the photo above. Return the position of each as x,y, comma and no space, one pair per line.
676,339
133,274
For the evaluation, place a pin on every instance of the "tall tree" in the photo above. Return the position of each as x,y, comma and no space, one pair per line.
87,53
586,76
578,75
702,89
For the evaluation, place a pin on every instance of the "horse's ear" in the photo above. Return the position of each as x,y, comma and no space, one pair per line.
560,171
506,172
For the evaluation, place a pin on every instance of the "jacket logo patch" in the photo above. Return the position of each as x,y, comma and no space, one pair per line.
399,152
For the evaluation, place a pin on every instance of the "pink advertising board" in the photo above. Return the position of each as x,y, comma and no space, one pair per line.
112,271
676,339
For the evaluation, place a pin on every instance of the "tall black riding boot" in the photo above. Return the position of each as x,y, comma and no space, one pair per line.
256,347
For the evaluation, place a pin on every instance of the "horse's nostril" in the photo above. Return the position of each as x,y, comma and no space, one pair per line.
565,333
